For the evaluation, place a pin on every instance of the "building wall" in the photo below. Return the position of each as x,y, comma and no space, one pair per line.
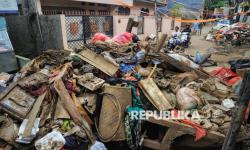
120,24
113,8
26,44
136,9
74,6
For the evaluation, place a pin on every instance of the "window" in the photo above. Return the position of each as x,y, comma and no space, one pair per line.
144,12
140,28
91,4
123,11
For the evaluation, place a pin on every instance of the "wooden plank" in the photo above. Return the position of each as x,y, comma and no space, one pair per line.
153,144
81,110
98,61
17,103
170,123
6,91
154,94
69,105
161,42
130,25
33,114
168,139
182,66
178,126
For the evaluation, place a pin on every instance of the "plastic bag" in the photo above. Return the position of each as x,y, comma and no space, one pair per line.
123,38
228,103
98,146
100,37
53,140
226,75
187,99
184,60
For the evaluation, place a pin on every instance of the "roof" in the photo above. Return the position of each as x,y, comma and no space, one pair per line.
110,2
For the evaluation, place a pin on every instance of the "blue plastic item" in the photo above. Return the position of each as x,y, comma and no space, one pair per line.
198,57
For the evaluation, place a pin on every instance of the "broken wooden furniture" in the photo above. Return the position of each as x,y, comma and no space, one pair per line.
175,130
131,24
98,61
16,102
90,81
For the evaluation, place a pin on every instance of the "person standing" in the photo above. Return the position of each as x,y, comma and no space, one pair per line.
200,28
196,27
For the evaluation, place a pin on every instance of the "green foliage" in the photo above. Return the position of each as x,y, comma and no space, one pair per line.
176,10
211,4
245,4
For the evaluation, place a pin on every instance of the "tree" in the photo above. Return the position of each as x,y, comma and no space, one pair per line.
176,10
211,4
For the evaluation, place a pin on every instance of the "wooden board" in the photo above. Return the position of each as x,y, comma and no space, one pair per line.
32,115
108,119
212,135
16,102
154,94
98,61
161,42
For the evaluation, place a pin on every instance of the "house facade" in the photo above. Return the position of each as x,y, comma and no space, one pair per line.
97,7
84,18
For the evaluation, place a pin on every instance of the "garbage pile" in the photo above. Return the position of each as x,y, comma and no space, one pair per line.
66,100
235,35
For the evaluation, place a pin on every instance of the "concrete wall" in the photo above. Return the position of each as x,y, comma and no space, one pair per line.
26,38
19,31
136,9
120,24
54,31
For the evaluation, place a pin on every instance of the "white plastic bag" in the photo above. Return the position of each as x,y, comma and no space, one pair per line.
98,146
228,103
53,140
187,99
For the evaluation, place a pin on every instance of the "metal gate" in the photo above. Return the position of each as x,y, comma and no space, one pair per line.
80,29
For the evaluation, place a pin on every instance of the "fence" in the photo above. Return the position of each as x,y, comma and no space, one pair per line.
80,29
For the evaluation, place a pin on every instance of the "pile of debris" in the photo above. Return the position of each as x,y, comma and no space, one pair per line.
67,100
234,35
